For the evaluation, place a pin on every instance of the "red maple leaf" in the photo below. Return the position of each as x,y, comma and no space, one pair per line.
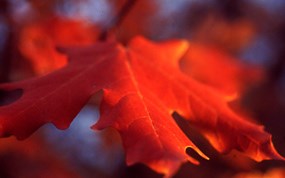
142,87
37,41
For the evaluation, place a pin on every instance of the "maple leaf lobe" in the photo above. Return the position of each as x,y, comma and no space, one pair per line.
141,119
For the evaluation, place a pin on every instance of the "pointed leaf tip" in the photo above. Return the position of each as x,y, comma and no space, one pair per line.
166,171
170,51
268,152
198,151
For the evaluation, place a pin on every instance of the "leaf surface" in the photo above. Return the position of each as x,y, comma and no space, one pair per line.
216,68
142,87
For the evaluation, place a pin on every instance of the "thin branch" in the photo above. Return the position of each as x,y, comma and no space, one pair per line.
7,50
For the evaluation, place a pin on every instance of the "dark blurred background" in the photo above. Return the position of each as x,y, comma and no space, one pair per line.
251,32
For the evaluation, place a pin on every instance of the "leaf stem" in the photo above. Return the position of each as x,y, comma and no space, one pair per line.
118,19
